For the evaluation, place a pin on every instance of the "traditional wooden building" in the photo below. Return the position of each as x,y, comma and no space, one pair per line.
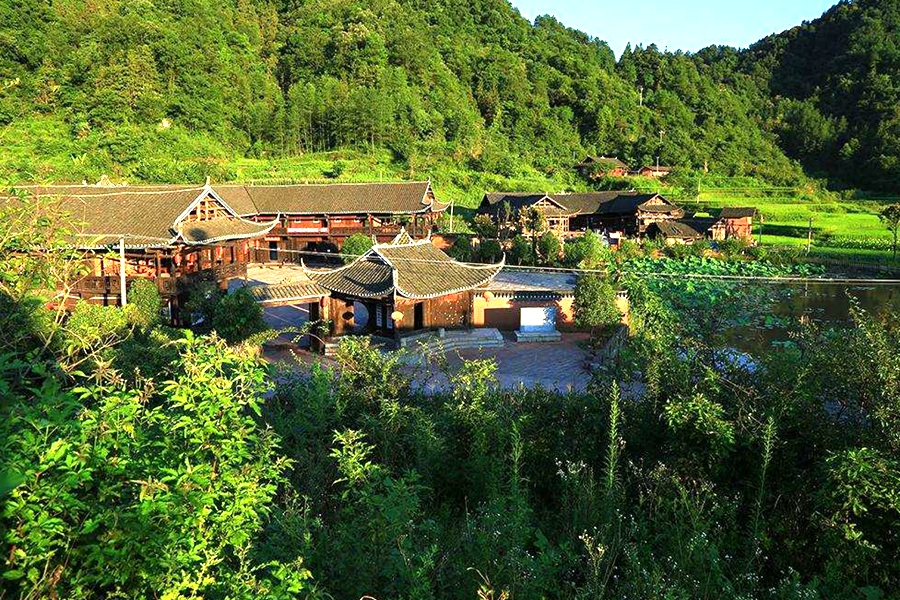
511,207
736,222
676,232
319,217
175,236
594,167
729,223
629,212
402,286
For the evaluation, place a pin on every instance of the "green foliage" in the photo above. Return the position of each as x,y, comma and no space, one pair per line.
863,491
483,226
144,303
92,330
549,248
154,491
431,84
356,245
595,303
521,251
235,316
890,216
490,251
588,252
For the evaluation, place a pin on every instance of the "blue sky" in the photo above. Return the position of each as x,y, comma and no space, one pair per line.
677,24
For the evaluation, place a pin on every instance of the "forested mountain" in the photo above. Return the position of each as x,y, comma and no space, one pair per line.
831,91
168,89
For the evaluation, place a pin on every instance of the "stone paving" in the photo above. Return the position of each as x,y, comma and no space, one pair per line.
556,366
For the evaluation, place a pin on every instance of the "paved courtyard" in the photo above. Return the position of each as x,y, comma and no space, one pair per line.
555,366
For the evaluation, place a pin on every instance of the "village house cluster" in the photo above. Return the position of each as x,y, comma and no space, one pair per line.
619,215
180,235
595,167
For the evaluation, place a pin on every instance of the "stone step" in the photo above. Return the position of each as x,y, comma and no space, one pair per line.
534,337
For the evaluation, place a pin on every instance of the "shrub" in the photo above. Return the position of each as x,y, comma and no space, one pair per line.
595,303
484,227
521,252
161,497
490,251
143,303
461,249
356,245
549,248
92,329
587,252
237,316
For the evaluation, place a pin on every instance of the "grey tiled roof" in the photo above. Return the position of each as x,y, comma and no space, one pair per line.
148,216
737,212
223,228
509,280
283,292
366,277
674,229
416,270
144,217
338,198
587,203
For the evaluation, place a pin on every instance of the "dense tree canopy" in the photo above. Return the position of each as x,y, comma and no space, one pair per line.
167,90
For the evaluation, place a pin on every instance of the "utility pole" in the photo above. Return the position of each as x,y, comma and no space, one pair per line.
809,236
451,216
662,132
642,96
122,292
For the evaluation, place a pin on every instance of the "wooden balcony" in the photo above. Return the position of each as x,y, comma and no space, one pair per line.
109,285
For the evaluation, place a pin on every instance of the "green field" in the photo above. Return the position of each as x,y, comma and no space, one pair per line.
841,228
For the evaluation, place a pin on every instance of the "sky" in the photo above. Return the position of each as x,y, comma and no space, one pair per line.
677,24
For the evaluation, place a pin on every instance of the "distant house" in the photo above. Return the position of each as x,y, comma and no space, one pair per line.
737,222
593,167
656,172
675,232
629,212
729,223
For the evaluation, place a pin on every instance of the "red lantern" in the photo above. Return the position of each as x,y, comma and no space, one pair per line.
396,316
488,296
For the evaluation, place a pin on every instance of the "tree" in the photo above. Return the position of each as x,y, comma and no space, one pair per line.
356,245
484,227
595,303
890,216
521,251
533,223
587,252
549,248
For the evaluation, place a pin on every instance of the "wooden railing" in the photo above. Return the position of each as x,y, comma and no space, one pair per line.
109,285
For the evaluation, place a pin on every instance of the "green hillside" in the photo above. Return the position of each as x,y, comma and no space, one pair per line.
469,94
168,91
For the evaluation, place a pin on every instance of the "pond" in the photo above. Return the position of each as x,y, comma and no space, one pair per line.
825,304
